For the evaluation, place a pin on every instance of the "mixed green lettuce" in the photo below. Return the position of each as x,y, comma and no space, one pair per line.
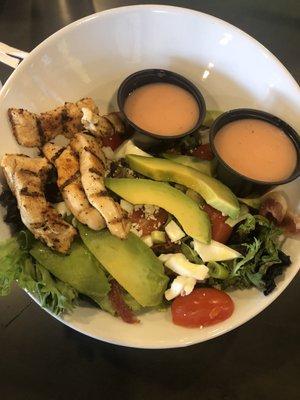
17,265
258,240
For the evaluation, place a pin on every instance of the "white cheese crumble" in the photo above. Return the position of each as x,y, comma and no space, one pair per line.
182,286
150,209
89,120
62,209
126,206
182,266
148,240
174,232
135,229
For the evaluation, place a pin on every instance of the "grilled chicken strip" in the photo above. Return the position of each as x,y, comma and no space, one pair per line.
117,122
92,168
69,183
102,126
25,176
33,130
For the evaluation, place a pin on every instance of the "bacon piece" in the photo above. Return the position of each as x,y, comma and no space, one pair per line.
291,223
274,207
118,303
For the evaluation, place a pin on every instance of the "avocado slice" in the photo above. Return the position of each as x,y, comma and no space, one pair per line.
131,262
193,220
204,166
253,202
214,192
79,269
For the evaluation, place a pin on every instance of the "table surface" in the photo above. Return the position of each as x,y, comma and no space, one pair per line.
43,359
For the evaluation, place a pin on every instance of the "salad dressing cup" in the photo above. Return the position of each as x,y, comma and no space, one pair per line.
145,138
240,184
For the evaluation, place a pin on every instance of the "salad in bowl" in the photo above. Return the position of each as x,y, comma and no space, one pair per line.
130,229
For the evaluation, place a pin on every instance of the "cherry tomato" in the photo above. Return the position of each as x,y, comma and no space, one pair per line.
203,307
113,141
148,225
203,152
220,230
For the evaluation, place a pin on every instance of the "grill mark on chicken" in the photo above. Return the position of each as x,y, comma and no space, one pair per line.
90,150
89,133
56,155
33,130
24,127
64,119
116,220
26,192
25,177
69,183
102,193
112,128
96,171
70,180
92,161
116,121
40,131
27,171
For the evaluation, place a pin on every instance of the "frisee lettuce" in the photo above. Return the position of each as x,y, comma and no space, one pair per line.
55,295
263,260
11,257
17,265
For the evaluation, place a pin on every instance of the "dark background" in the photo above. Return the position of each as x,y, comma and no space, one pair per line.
42,359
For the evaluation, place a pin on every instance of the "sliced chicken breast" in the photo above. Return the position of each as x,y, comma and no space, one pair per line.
33,130
69,183
97,125
25,177
25,127
116,121
92,168
102,126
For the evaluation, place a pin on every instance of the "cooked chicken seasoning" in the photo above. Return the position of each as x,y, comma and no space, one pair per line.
25,177
70,185
256,149
92,169
162,108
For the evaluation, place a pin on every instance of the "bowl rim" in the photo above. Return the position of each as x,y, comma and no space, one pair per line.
171,10
251,113
150,7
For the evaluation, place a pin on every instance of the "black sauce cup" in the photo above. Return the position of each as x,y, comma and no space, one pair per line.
242,185
141,137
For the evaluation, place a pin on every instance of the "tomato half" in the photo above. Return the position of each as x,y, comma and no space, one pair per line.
203,152
220,230
148,225
203,307
113,141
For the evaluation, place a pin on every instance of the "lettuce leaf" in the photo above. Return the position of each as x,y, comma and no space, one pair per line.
11,256
17,265
54,295
263,260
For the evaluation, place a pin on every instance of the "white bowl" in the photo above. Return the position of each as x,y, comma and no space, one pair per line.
92,56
